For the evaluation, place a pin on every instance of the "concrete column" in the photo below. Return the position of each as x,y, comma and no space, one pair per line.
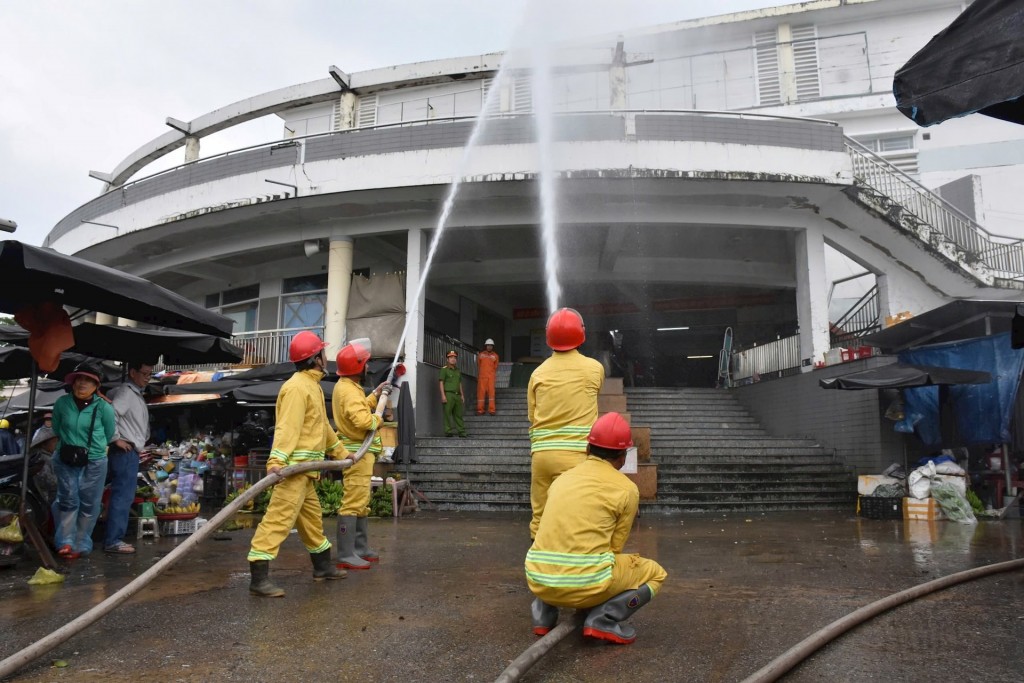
416,256
467,316
339,281
787,64
348,110
191,148
125,322
811,296
104,319
617,78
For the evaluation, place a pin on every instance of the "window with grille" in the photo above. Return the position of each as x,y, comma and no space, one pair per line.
769,85
806,72
366,117
303,302
805,57
240,304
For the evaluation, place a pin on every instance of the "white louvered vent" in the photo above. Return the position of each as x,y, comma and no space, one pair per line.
336,115
769,90
522,95
805,57
494,106
367,111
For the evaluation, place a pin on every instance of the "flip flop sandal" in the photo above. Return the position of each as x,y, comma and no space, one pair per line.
121,548
68,553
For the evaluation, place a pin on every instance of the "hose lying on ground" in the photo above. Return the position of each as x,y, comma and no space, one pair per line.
72,628
521,664
802,650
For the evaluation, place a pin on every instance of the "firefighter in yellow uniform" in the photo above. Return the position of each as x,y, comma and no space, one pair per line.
301,434
354,417
576,560
562,406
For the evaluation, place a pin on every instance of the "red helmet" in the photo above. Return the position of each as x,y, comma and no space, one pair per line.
565,330
353,356
611,431
304,345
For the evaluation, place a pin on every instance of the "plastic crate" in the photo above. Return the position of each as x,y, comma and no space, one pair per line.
875,507
181,527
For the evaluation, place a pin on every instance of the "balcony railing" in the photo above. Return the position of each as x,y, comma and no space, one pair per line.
261,347
860,320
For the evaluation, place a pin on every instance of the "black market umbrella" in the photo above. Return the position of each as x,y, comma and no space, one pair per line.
31,275
265,393
275,372
122,343
16,363
904,376
222,387
406,451
976,64
46,392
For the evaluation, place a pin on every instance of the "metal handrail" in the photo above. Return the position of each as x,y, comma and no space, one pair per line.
1002,253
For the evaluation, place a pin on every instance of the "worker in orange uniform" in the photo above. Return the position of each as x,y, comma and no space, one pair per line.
486,373
576,560
354,417
301,434
562,407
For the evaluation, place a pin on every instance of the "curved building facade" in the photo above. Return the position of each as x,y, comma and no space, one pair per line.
705,171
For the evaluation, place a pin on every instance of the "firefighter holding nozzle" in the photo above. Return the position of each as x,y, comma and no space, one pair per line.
354,417
576,560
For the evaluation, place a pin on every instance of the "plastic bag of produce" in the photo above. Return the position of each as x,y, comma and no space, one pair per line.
12,532
953,503
889,491
45,577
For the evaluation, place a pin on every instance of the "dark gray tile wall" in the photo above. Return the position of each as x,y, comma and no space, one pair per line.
729,129
850,422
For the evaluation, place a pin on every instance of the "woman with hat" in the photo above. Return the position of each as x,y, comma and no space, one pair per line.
83,421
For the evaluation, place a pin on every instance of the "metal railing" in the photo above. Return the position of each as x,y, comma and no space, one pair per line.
263,347
860,320
999,252
759,362
437,345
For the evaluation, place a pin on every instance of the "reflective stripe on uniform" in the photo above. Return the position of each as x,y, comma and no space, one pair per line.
600,565
569,438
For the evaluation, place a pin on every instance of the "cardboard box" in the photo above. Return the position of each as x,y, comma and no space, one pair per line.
926,510
642,441
646,479
611,403
388,436
612,386
891,320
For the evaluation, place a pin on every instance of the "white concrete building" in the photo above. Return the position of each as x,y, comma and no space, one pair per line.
704,170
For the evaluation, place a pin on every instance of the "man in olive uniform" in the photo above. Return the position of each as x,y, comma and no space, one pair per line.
452,397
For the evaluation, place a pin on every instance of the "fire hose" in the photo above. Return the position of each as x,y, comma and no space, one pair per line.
42,646
782,664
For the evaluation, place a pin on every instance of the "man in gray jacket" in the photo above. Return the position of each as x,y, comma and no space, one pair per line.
123,458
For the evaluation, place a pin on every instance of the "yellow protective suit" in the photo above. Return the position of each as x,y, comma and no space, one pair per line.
354,417
562,407
301,434
576,560
486,373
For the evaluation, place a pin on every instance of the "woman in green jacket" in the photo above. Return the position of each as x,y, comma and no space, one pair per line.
85,419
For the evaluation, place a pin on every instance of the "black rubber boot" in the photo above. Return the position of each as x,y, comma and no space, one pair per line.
260,583
544,616
323,568
604,622
347,558
363,548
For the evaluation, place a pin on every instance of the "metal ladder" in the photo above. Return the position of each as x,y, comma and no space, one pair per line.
724,358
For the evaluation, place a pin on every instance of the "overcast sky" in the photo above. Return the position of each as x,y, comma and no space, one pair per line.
83,84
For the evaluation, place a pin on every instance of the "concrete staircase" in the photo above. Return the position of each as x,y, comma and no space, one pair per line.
711,455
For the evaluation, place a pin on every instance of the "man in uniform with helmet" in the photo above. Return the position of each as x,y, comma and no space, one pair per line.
452,396
301,434
487,371
576,560
354,417
562,406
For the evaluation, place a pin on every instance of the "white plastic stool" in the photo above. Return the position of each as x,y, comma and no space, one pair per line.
148,527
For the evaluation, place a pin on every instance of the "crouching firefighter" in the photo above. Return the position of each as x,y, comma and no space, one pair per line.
354,417
301,434
576,560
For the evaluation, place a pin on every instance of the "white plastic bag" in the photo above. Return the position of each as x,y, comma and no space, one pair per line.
919,482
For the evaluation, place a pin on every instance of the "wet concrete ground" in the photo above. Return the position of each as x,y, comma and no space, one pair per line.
448,602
